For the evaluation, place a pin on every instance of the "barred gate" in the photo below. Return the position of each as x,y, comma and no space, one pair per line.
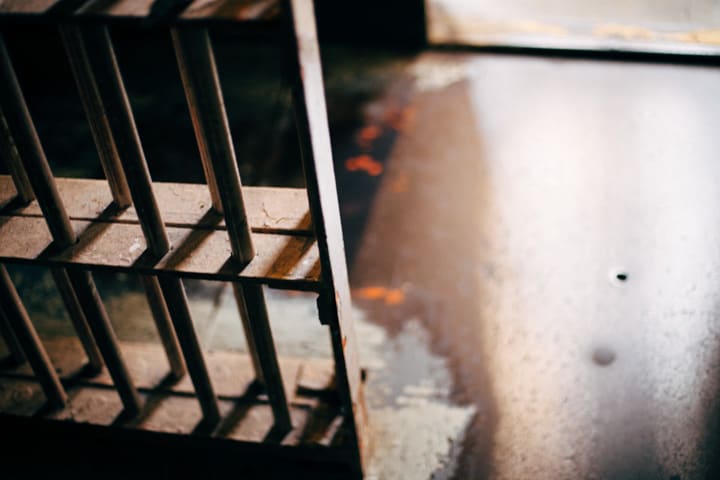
167,232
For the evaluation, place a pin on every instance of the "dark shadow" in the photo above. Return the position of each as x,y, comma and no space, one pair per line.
192,241
239,410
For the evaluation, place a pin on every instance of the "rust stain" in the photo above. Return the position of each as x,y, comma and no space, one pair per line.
364,163
391,296
344,341
368,134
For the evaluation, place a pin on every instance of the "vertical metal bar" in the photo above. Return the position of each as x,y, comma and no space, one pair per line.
11,342
43,184
204,96
10,153
101,56
175,295
77,317
28,145
95,112
334,303
25,191
110,160
89,297
17,316
163,322
122,123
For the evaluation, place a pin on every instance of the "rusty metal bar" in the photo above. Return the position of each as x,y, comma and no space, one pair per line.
77,317
97,118
11,342
205,100
113,96
17,317
110,160
22,131
334,303
175,295
26,194
12,158
43,184
95,312
163,322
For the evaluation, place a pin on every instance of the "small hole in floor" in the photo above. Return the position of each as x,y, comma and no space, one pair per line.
622,276
603,356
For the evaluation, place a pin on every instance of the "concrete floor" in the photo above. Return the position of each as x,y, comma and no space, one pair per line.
550,224
533,257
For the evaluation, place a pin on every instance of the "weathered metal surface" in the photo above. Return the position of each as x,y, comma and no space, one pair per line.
26,7
99,322
11,157
36,166
233,11
96,114
174,293
282,261
163,323
22,131
112,94
77,317
334,305
206,103
170,406
269,209
17,317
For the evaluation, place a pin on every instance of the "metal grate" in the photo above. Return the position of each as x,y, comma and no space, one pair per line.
74,226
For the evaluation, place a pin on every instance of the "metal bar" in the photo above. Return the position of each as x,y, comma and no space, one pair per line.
174,293
164,325
122,124
259,327
12,158
94,310
112,93
11,342
77,317
25,192
17,316
28,145
334,303
112,166
36,166
205,100
95,112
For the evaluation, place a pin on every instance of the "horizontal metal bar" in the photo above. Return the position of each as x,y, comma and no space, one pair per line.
269,209
17,317
283,261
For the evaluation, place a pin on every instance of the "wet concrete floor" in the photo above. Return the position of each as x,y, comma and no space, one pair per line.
533,256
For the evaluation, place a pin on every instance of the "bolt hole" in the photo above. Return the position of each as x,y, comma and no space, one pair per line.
603,356
622,277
